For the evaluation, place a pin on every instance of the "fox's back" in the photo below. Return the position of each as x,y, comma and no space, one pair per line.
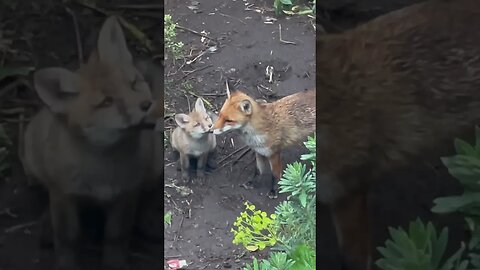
294,117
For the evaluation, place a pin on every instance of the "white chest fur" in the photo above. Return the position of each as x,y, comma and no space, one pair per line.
256,141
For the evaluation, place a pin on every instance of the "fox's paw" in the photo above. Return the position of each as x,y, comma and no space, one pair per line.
248,184
201,178
272,194
186,178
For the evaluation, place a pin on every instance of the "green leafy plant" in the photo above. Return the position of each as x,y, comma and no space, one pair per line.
421,248
171,44
167,218
292,7
255,229
296,220
302,258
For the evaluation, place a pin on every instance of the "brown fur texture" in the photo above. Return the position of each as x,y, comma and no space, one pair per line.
391,91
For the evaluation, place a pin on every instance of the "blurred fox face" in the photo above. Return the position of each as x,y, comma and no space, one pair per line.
105,97
197,123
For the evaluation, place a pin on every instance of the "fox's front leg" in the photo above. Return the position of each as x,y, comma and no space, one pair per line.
201,165
66,230
260,172
351,221
185,167
276,166
118,227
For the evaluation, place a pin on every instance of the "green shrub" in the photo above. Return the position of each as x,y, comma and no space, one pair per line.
421,248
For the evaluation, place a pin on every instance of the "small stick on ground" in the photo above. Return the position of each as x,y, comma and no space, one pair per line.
197,33
8,212
178,231
282,40
240,156
233,153
19,227
77,35
230,16
188,73
213,95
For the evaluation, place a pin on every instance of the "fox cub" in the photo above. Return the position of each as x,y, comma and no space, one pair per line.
193,139
85,146
268,128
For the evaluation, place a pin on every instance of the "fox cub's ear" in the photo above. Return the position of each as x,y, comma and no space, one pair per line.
112,47
182,119
199,107
246,107
56,87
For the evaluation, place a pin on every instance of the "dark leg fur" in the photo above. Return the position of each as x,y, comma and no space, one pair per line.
66,229
118,227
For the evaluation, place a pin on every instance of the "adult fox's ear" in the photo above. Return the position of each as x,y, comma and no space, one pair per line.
246,107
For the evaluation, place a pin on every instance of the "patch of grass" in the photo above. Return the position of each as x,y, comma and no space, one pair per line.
167,218
172,46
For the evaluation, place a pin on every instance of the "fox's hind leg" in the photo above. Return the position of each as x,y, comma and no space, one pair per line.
66,230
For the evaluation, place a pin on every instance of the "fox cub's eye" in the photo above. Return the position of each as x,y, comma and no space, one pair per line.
106,102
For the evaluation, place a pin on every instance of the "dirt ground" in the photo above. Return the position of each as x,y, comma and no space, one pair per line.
200,229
